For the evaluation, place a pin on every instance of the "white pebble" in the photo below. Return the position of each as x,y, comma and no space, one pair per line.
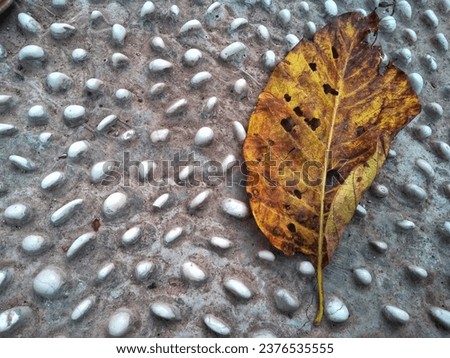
306,268
96,17
38,115
128,135
132,236
430,18
49,282
106,122
330,8
440,41
147,9
173,235
263,334
416,82
441,316
192,272
204,137
210,105
120,323
177,107
78,149
123,95
410,35
361,211
232,50
423,132
94,85
235,208
263,33
79,244
186,172
159,65
65,212
379,246
362,276
433,110
446,229
388,24
17,214
143,270
22,163
238,24
220,242
100,171
157,89
415,192
118,34
291,41
174,12
442,149
146,168
216,325
241,88
379,190
79,55
336,311
158,44
82,308
286,301
161,201
114,205
266,255
29,24
32,53
403,57
199,200
425,167
34,244
160,135
14,317
430,63
74,115
61,31
444,5
238,288
395,314
58,82
404,9
200,78
417,272
303,6
310,29
229,162
45,137
191,57
190,26
105,271
5,277
3,52
119,60
239,131
405,225
7,129
165,311
59,4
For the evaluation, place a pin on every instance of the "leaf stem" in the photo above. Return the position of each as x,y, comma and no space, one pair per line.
320,296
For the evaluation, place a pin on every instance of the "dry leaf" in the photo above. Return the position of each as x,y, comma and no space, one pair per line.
319,134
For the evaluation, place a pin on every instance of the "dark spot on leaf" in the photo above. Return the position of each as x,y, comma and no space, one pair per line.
329,90
291,227
334,178
313,123
298,111
298,193
313,66
287,124
334,51
360,130
359,180
271,142
287,98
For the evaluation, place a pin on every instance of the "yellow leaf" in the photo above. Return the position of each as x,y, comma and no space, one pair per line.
319,134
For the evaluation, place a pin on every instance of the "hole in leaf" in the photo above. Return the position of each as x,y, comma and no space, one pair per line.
334,52
334,178
287,124
360,130
298,111
329,90
298,193
313,123
312,66
287,98
291,227
271,142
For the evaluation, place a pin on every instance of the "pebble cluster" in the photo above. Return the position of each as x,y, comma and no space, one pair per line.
96,97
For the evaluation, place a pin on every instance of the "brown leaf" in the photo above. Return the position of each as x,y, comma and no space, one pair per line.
319,134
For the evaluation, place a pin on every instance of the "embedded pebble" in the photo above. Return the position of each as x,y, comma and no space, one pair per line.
32,54
158,89
100,171
37,115
34,244
79,55
417,272
159,65
238,288
410,35
186,172
415,192
404,9
379,246
118,34
241,88
174,12
128,135
94,85
13,318
7,129
444,5
303,6
440,41
192,272
132,236
199,200
59,4
17,214
106,122
5,278
405,225
440,316
216,325
123,95
161,201
210,105
96,17
74,115
291,41
173,235
362,276
239,131
6,102
119,60
284,17
165,311
430,63
191,57
115,205
403,57
430,18
58,82
306,268
204,137
53,180
190,26
82,308
229,162
61,31
388,24
423,132
336,311
235,208
177,107
266,255
220,242
263,33
45,137
147,9
199,79
81,242
158,44
120,323
238,24
286,301
146,168
310,29
105,271
379,190
330,8
49,282
361,211
442,149
64,213
229,52
3,52
269,60
395,315
445,230
391,154
22,163
143,270
433,110
78,149
425,167
264,334
28,23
